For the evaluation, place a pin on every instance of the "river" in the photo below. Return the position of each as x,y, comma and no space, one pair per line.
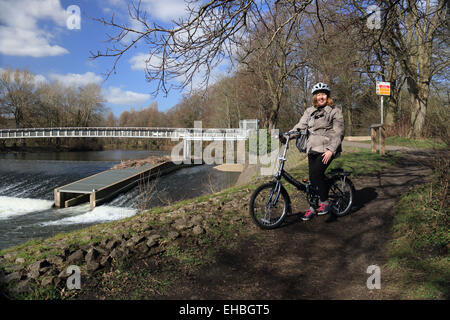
27,181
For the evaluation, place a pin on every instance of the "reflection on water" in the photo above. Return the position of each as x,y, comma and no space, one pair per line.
107,155
26,192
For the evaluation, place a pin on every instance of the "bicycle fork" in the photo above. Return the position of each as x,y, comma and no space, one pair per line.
272,201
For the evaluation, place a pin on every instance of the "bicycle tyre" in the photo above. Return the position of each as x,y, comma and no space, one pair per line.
341,195
258,206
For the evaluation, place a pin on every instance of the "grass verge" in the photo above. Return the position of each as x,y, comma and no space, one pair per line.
418,252
412,143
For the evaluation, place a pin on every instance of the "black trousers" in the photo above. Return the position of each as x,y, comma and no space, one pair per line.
317,174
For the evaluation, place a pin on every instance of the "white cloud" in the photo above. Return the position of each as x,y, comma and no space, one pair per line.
20,34
116,95
162,10
23,42
77,79
165,10
142,61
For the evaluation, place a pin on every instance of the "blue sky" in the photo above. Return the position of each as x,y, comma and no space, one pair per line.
34,35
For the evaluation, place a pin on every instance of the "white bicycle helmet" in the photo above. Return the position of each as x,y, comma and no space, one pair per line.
320,86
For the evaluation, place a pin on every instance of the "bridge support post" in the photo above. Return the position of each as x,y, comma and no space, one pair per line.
59,198
186,150
92,199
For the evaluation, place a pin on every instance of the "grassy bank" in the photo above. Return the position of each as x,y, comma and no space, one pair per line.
413,143
418,252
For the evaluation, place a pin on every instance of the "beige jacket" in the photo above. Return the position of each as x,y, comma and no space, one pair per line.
326,129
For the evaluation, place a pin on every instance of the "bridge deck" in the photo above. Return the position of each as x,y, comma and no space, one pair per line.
103,179
103,186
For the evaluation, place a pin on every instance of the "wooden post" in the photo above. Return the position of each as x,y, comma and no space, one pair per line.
374,139
374,130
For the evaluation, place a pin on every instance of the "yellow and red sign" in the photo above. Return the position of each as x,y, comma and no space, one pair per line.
383,88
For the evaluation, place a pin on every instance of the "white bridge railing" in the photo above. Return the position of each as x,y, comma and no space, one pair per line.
127,132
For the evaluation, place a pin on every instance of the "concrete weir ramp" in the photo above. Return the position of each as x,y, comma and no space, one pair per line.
105,185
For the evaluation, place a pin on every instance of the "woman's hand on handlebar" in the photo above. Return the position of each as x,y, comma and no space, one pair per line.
292,133
284,136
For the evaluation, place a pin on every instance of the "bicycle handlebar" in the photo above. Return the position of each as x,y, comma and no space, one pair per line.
288,133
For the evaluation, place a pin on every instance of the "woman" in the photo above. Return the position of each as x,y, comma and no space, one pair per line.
326,132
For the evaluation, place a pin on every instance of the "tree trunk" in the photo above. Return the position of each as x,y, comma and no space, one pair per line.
418,111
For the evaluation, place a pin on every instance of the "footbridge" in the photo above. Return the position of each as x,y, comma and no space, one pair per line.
175,134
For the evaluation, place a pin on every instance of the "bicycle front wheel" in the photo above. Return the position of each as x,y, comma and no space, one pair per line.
342,193
269,205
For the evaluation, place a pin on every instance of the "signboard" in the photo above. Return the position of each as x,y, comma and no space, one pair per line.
383,88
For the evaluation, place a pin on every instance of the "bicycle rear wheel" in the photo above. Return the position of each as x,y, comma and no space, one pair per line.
341,195
269,205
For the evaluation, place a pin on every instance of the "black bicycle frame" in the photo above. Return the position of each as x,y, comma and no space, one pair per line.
281,173
300,186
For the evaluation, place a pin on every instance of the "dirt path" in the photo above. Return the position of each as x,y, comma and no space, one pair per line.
325,258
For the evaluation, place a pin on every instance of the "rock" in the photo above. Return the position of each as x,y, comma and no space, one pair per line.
142,247
63,274
22,287
37,268
66,252
87,238
12,268
57,281
182,224
92,259
76,257
197,230
20,260
10,255
126,236
33,274
153,240
173,235
136,239
118,254
91,256
196,219
105,261
93,266
47,281
112,244
56,260
15,276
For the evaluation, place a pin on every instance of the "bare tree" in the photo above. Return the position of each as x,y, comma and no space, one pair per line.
193,45
274,53
17,95
408,33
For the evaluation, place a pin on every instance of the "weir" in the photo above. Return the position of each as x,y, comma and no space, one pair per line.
105,185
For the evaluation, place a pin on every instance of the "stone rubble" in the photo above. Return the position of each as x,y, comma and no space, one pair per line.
146,241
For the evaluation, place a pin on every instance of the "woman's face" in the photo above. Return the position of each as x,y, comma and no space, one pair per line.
322,99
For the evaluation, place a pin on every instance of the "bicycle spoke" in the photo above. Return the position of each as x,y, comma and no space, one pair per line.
267,207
